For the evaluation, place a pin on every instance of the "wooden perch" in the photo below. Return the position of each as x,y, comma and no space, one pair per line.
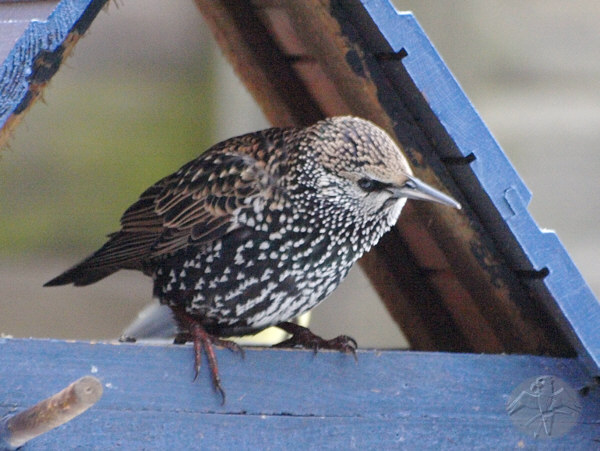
281,399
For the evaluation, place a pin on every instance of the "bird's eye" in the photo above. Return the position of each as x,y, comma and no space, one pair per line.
370,185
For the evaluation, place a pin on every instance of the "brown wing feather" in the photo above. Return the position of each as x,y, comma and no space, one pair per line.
198,204
202,203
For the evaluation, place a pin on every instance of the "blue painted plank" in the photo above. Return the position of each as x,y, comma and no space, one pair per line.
286,399
38,53
569,298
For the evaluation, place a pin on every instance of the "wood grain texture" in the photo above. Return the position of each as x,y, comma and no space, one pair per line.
263,67
281,399
15,17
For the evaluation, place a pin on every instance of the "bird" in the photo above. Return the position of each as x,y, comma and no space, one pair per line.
260,228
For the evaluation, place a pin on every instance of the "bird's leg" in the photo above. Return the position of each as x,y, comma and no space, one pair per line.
202,340
303,337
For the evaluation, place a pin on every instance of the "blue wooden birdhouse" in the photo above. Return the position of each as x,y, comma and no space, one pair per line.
504,332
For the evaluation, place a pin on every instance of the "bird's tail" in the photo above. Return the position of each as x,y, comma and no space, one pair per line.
81,275
121,251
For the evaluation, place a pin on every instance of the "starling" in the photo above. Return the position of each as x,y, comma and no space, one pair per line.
260,228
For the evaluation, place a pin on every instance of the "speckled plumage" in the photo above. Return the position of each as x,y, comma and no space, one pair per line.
262,227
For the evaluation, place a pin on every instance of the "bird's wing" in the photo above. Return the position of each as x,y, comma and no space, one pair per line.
201,202
207,198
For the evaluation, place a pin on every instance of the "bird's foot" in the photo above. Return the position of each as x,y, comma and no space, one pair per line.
303,337
202,340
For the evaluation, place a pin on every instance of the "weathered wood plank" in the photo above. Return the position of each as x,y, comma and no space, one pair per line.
285,399
15,17
38,53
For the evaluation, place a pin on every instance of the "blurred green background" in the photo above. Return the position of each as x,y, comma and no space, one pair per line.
147,90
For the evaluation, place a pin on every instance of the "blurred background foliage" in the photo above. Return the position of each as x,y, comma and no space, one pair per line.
62,195
147,90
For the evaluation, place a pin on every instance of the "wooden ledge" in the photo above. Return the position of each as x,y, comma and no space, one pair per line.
286,399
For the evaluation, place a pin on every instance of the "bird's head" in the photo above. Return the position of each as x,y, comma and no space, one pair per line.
361,163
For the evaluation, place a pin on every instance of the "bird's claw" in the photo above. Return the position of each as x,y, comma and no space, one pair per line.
203,341
303,337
